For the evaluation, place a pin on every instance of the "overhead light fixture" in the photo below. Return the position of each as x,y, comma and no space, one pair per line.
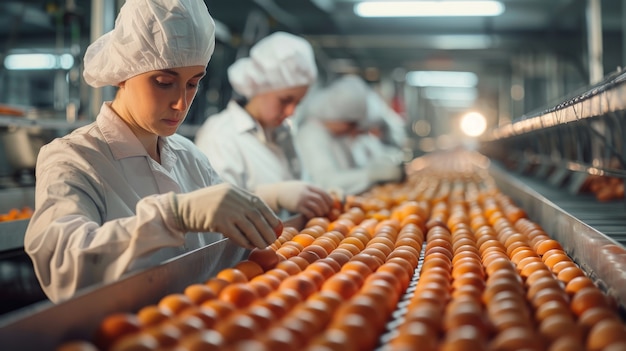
428,8
473,124
453,79
443,93
38,61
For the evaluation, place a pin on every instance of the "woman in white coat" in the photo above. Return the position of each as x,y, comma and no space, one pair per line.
331,122
250,142
125,191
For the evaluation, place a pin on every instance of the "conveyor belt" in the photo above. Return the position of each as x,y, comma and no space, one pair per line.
608,218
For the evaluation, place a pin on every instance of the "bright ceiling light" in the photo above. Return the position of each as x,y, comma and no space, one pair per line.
473,124
459,94
38,61
442,79
428,8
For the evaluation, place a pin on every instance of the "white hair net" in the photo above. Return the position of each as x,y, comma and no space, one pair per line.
345,99
151,35
278,61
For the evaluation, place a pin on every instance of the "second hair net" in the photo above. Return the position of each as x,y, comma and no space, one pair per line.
278,61
345,99
151,35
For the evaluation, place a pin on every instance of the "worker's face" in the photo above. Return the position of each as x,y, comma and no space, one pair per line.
342,128
273,107
157,102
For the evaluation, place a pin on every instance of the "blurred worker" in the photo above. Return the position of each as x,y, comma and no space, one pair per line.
250,142
383,133
331,122
123,192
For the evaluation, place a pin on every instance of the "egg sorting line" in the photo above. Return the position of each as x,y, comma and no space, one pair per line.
443,262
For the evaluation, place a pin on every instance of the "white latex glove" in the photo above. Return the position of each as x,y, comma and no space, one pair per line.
229,210
296,196
385,170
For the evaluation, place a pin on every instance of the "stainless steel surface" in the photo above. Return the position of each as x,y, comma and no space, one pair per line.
80,316
565,218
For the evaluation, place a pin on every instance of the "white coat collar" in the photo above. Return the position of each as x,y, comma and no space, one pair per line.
244,123
122,142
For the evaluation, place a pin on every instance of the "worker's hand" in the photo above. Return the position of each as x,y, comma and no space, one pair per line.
296,196
385,170
227,209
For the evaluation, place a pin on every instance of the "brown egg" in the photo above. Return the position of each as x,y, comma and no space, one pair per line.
510,319
587,298
567,343
205,340
605,333
136,342
537,275
516,338
569,273
114,327
466,337
540,284
77,345
551,308
594,315
549,294
559,266
462,314
415,333
532,267
559,325
578,283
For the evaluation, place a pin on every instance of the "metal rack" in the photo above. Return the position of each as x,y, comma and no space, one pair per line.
581,136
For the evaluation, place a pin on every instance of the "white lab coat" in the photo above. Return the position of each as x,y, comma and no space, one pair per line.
329,160
243,153
367,147
98,212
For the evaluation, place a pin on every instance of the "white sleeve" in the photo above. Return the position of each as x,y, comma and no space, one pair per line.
314,146
223,156
70,243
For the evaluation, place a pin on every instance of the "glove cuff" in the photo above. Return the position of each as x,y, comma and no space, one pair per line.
269,194
178,218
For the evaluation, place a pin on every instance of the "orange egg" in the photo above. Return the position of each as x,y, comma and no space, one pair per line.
114,327
291,267
587,298
606,333
467,337
236,328
594,315
239,294
232,275
577,283
208,340
152,315
415,333
300,283
198,293
221,308
175,303
569,273
266,258
342,284
139,341
208,316
516,338
558,325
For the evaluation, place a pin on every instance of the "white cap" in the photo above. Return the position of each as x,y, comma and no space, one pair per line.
278,61
345,99
151,35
